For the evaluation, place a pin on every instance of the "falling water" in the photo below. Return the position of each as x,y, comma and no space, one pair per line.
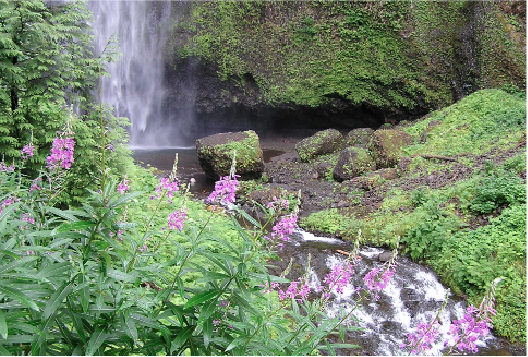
135,87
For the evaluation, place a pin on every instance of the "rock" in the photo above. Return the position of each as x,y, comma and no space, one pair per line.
289,157
361,137
322,142
386,146
215,154
403,165
353,162
385,256
325,170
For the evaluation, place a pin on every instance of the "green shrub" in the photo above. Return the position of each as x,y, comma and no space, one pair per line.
496,191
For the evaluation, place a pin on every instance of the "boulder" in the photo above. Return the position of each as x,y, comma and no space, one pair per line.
353,161
361,137
386,146
322,142
215,154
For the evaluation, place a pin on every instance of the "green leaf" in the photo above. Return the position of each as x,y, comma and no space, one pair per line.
66,227
197,299
97,339
182,337
208,309
10,266
237,342
56,299
124,198
3,326
52,270
19,296
130,328
207,332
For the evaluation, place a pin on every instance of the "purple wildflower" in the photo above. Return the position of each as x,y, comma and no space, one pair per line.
34,185
176,219
3,167
294,290
123,186
375,282
423,338
269,288
169,186
61,153
283,229
27,151
467,330
224,191
339,277
217,323
26,217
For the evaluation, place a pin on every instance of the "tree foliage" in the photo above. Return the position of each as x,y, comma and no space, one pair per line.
47,63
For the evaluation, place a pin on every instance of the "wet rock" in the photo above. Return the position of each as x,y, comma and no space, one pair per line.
353,162
361,137
215,154
385,256
386,146
322,142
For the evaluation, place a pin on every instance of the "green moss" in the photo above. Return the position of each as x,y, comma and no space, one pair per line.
385,54
476,124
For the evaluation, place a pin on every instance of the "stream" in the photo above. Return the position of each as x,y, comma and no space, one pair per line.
412,297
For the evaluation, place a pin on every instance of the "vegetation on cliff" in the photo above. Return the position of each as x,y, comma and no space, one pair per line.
390,54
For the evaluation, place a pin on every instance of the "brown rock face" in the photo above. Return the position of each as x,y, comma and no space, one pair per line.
215,154
386,146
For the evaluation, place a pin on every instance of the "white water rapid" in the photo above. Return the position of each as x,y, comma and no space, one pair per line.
413,296
135,87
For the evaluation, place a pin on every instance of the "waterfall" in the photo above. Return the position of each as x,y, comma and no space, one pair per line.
135,87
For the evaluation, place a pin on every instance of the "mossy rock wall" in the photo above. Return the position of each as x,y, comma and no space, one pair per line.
364,62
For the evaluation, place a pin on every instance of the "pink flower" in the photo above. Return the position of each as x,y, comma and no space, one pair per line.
34,185
224,191
283,229
123,186
423,339
27,151
339,277
170,187
176,219
61,153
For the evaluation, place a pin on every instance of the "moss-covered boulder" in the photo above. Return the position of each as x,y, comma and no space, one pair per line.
322,142
215,154
353,162
386,146
361,137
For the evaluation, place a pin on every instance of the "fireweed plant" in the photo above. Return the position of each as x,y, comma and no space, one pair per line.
88,281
